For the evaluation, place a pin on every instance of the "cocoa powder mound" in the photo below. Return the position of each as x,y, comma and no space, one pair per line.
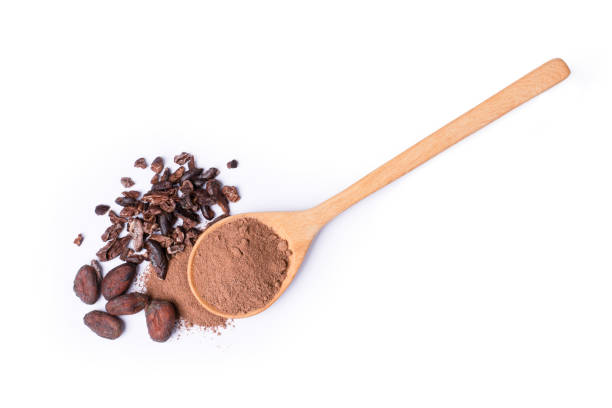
240,266
175,289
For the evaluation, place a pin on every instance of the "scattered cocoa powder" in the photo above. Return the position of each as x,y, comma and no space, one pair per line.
175,289
240,266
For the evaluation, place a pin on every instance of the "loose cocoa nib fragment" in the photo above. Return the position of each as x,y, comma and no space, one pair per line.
101,209
158,165
127,182
78,240
140,163
158,257
115,219
231,193
182,158
232,164
131,194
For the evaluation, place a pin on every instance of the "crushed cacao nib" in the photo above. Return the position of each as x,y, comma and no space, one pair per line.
186,187
158,257
78,240
128,212
155,179
182,158
232,164
163,240
112,232
131,194
127,182
101,209
176,176
213,188
140,163
231,193
115,219
166,174
97,267
136,230
126,201
208,212
158,165
210,173
162,185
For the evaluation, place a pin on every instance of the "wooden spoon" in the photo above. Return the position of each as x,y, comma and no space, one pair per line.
300,227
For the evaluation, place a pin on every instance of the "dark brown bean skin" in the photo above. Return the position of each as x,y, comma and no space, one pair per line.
128,304
118,280
104,324
161,317
87,284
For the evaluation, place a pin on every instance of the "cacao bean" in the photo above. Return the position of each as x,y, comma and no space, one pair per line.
128,304
161,317
104,324
87,284
118,280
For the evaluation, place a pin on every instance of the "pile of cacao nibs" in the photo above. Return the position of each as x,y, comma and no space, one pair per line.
153,227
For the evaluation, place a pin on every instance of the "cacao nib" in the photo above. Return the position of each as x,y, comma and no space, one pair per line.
112,232
232,164
131,194
186,187
164,177
231,193
176,176
210,173
208,212
213,187
140,163
162,185
128,212
78,240
158,258
136,230
102,209
182,158
126,201
158,165
191,174
96,265
163,240
115,219
127,182
155,179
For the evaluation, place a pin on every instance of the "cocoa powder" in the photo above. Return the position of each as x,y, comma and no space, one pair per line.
240,266
175,289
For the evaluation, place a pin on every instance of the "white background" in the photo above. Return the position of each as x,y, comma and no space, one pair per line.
482,279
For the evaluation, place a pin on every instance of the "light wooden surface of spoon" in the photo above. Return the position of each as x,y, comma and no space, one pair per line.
300,227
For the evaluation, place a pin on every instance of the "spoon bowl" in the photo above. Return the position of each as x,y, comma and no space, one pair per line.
299,228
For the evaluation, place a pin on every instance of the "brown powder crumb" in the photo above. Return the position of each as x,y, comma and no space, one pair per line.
78,240
240,266
175,289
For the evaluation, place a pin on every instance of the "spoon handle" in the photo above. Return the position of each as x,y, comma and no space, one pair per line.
532,84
